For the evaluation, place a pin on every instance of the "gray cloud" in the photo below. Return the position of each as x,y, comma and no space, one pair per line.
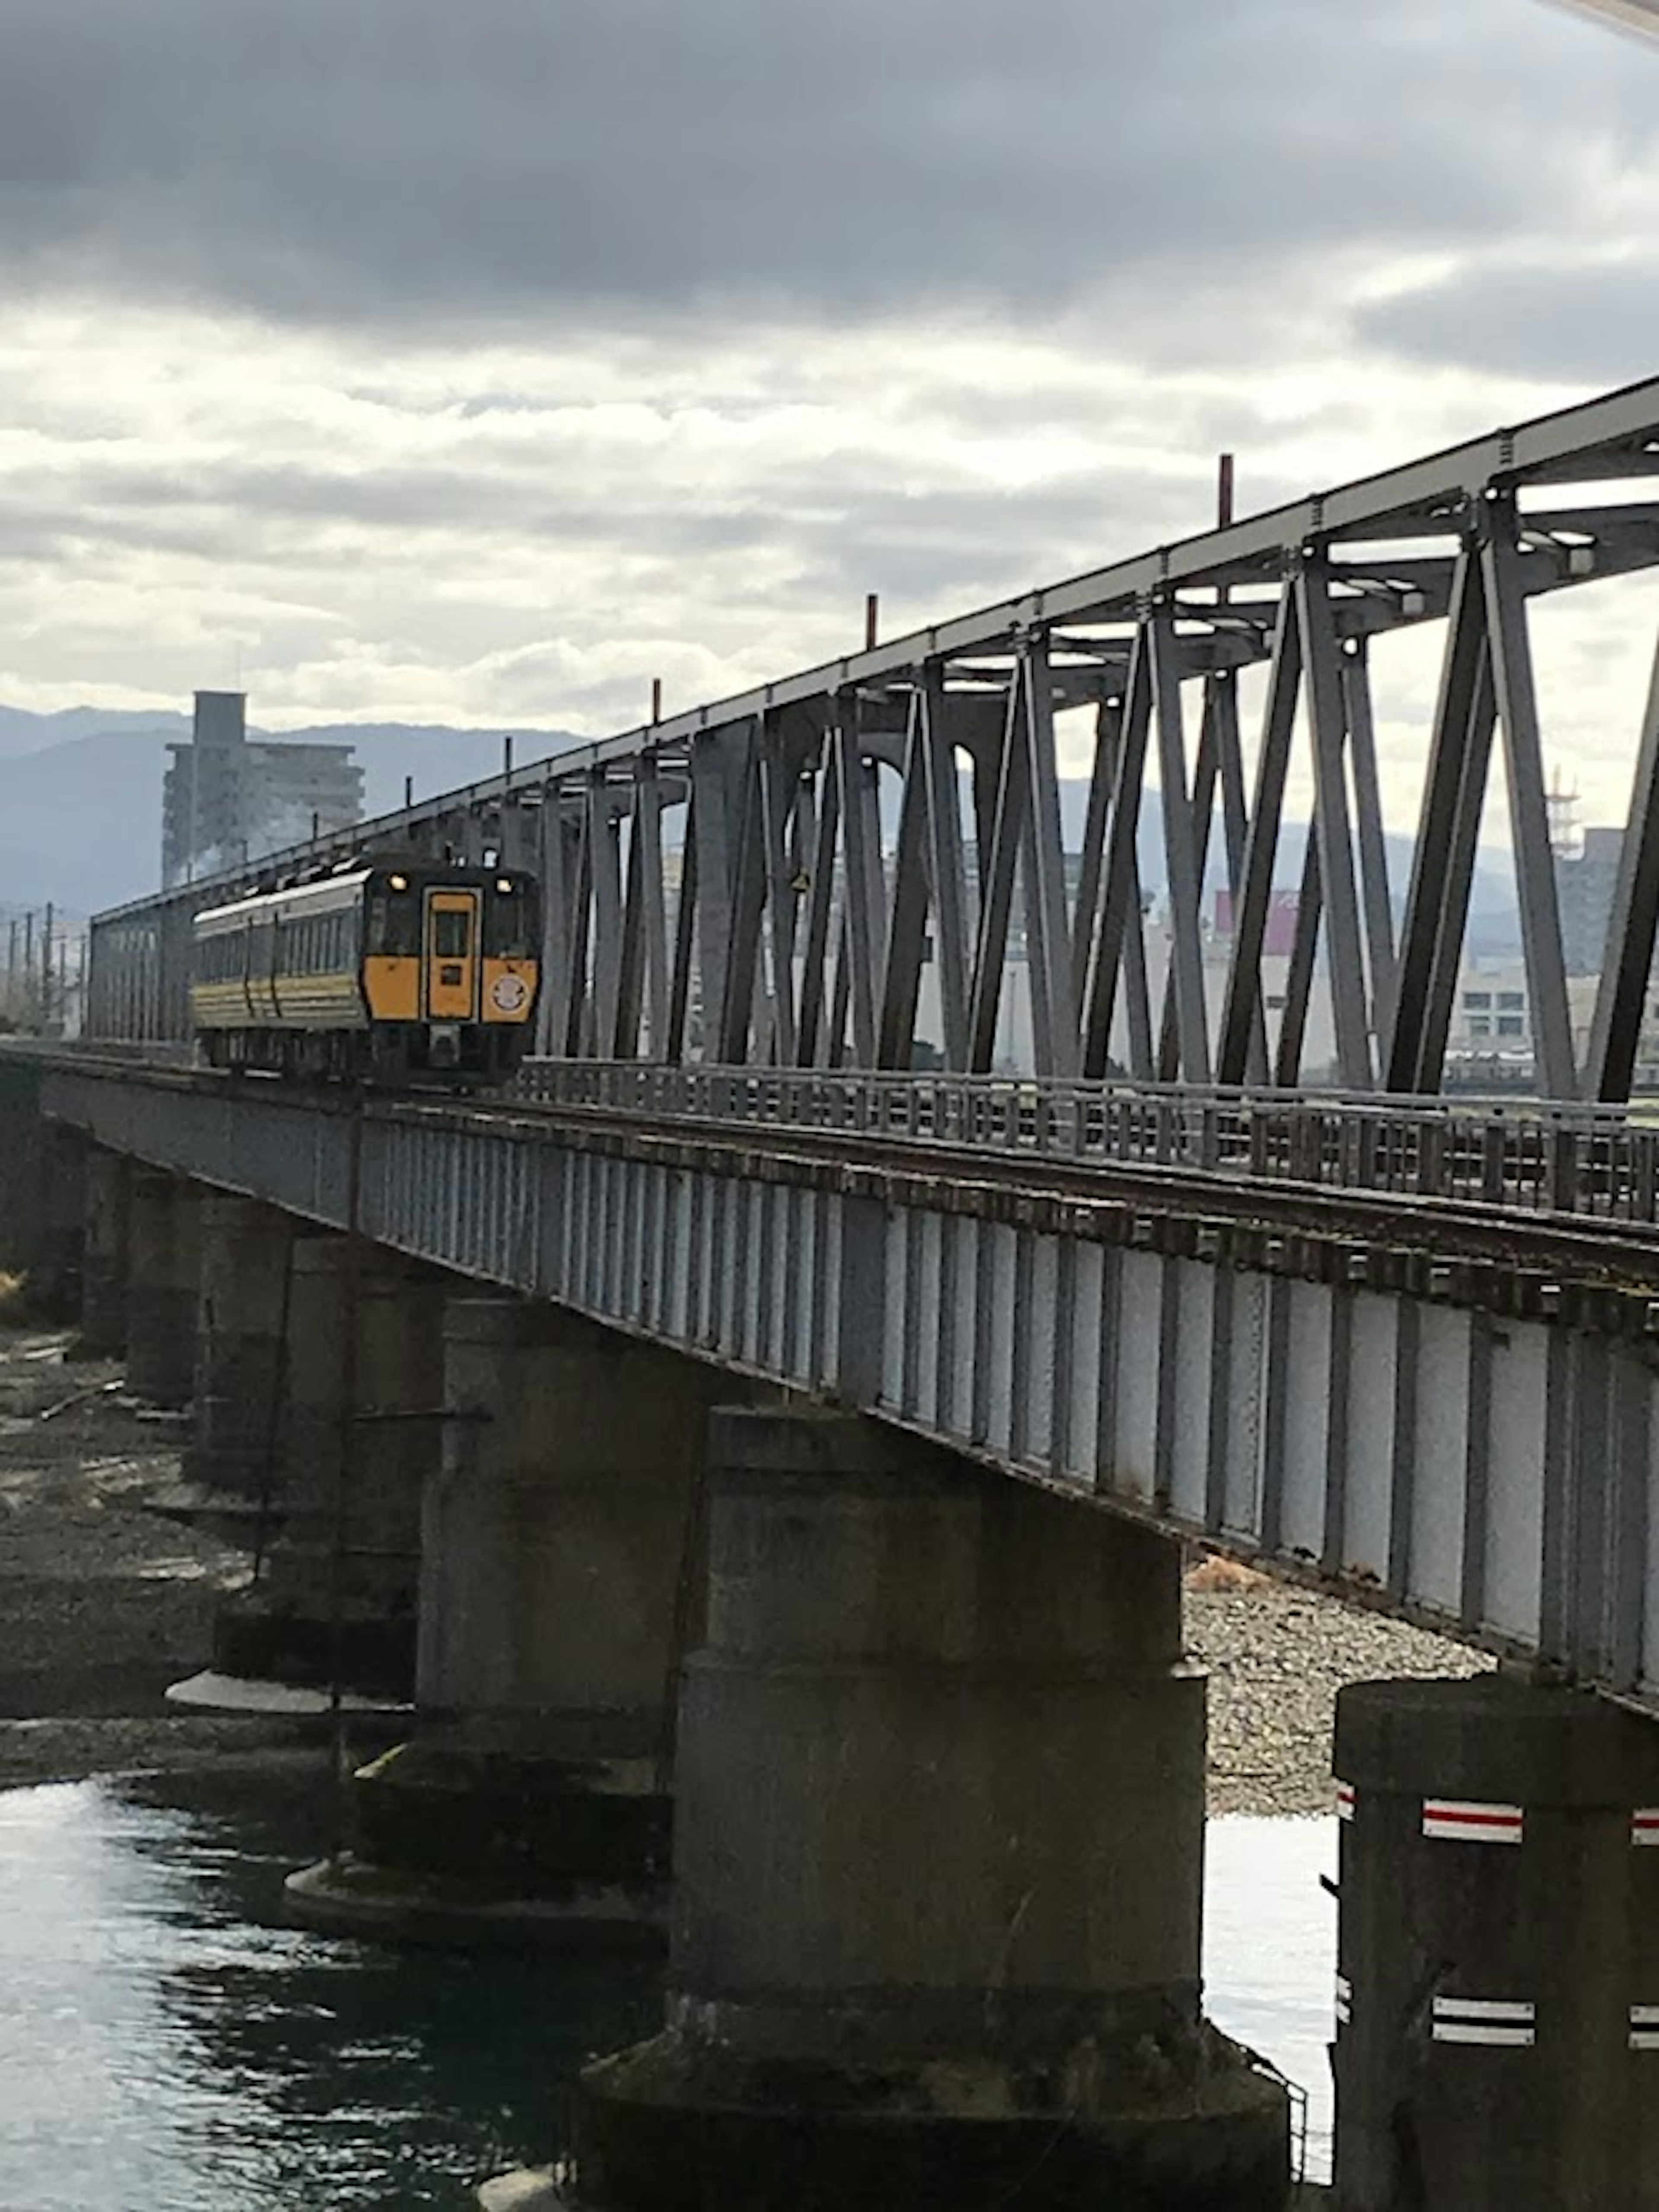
423,163
1578,322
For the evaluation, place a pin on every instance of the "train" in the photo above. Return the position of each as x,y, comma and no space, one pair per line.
391,970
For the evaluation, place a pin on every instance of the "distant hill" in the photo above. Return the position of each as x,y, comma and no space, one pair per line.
81,809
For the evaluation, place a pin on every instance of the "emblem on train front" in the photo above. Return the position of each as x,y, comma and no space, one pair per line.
507,994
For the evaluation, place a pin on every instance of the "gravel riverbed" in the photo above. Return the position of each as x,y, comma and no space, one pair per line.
104,1602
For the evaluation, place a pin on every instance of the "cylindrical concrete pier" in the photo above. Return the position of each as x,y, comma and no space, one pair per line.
555,1582
164,1262
1497,1999
232,1460
937,1863
106,1254
362,1426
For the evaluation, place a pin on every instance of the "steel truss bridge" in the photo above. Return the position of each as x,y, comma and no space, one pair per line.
1377,1336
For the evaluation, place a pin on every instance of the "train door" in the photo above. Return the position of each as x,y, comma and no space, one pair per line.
452,956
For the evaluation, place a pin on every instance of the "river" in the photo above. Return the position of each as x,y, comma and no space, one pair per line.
166,2046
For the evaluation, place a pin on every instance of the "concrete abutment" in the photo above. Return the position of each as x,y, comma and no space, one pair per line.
938,1862
1498,1999
361,1426
164,1266
232,1463
560,1578
106,1254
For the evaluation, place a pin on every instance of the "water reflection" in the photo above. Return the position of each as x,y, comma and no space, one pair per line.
164,2045
1270,1952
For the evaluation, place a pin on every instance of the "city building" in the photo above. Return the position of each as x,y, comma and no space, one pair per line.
226,800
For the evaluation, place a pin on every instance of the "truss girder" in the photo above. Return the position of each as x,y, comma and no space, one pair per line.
921,850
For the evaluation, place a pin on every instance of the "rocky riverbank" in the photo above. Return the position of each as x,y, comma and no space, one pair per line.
1276,1656
103,1603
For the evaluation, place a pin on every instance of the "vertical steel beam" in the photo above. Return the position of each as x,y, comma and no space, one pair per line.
605,864
1622,996
631,992
820,905
861,869
685,935
950,892
748,899
996,887
555,923
1370,834
1534,864
1299,980
1047,927
1102,774
1183,867
1119,902
1458,744
1242,1011
1333,835
778,786
907,934
647,845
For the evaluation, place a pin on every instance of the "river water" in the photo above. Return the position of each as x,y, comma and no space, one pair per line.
166,2046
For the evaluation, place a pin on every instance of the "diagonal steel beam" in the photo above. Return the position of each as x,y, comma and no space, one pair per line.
1621,999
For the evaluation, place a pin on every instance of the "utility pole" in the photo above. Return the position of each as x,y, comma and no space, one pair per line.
46,970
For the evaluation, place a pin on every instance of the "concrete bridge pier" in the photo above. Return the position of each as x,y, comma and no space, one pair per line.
164,1249
335,1592
936,1861
231,1465
560,1555
106,1254
1498,2001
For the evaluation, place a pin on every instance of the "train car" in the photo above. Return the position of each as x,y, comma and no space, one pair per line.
390,971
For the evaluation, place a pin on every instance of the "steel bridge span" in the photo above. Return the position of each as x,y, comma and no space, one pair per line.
1406,1348
1412,1354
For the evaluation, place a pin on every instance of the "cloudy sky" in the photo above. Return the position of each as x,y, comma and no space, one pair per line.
476,363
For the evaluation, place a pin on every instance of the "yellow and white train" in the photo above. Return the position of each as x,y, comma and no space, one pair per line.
393,970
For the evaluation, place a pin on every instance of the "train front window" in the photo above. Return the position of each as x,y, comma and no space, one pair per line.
508,923
452,932
394,925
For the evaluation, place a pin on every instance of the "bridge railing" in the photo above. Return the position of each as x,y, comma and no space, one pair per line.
1517,1157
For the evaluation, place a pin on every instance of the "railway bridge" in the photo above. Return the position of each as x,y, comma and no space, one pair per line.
773,1405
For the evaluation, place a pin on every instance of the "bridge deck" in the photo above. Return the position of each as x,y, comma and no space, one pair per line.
1415,1371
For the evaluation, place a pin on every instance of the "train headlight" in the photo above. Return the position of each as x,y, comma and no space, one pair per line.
503,883
399,883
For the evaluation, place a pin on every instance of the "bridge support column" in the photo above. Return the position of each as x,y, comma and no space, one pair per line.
164,1245
556,1574
232,1463
1497,2036
106,1254
936,1859
362,1425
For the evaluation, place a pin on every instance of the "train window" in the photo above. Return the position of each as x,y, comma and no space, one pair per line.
394,925
452,932
507,925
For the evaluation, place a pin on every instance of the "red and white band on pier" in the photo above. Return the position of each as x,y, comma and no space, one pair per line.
1463,1820
1470,1820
